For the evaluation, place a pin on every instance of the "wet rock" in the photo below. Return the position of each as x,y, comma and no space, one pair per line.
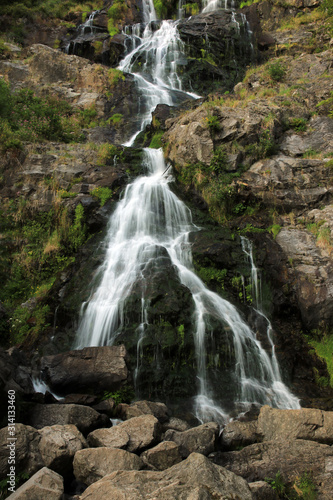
162,456
116,437
84,418
27,453
308,424
159,410
44,484
93,464
94,368
200,439
58,445
224,47
195,477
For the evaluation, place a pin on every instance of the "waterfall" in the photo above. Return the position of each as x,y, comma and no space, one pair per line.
150,222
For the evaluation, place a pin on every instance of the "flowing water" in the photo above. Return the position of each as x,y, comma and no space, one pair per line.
151,221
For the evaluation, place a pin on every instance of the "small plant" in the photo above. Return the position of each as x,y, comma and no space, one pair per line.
114,75
298,124
115,119
275,229
213,123
278,484
124,395
103,194
305,487
276,72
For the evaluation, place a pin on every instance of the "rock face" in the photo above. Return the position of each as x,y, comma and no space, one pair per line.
95,369
95,463
217,48
86,419
195,477
200,439
44,484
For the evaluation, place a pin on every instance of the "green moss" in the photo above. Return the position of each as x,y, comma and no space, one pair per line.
324,349
114,76
115,119
156,142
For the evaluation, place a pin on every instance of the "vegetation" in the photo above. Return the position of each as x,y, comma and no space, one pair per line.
25,117
103,194
323,347
40,245
302,487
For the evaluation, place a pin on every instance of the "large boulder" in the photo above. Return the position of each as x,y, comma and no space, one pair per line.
143,431
291,458
95,369
162,456
94,463
58,445
116,437
236,434
44,484
84,418
159,410
191,479
200,439
25,447
308,424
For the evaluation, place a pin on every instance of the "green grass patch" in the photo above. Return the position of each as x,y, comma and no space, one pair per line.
156,142
103,194
324,349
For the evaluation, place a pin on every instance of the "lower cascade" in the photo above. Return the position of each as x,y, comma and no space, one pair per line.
149,221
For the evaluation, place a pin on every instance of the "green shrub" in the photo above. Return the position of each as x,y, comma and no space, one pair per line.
161,9
298,124
276,72
103,194
115,119
213,123
219,162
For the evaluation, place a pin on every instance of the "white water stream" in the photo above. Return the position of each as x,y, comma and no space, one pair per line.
148,222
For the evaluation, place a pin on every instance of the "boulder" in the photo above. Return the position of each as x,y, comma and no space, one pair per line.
176,424
106,406
92,464
262,491
143,431
94,368
44,484
58,445
238,433
116,437
28,458
191,479
159,410
200,439
308,424
162,456
291,458
86,419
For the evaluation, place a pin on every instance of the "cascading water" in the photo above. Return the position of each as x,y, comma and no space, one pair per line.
151,222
